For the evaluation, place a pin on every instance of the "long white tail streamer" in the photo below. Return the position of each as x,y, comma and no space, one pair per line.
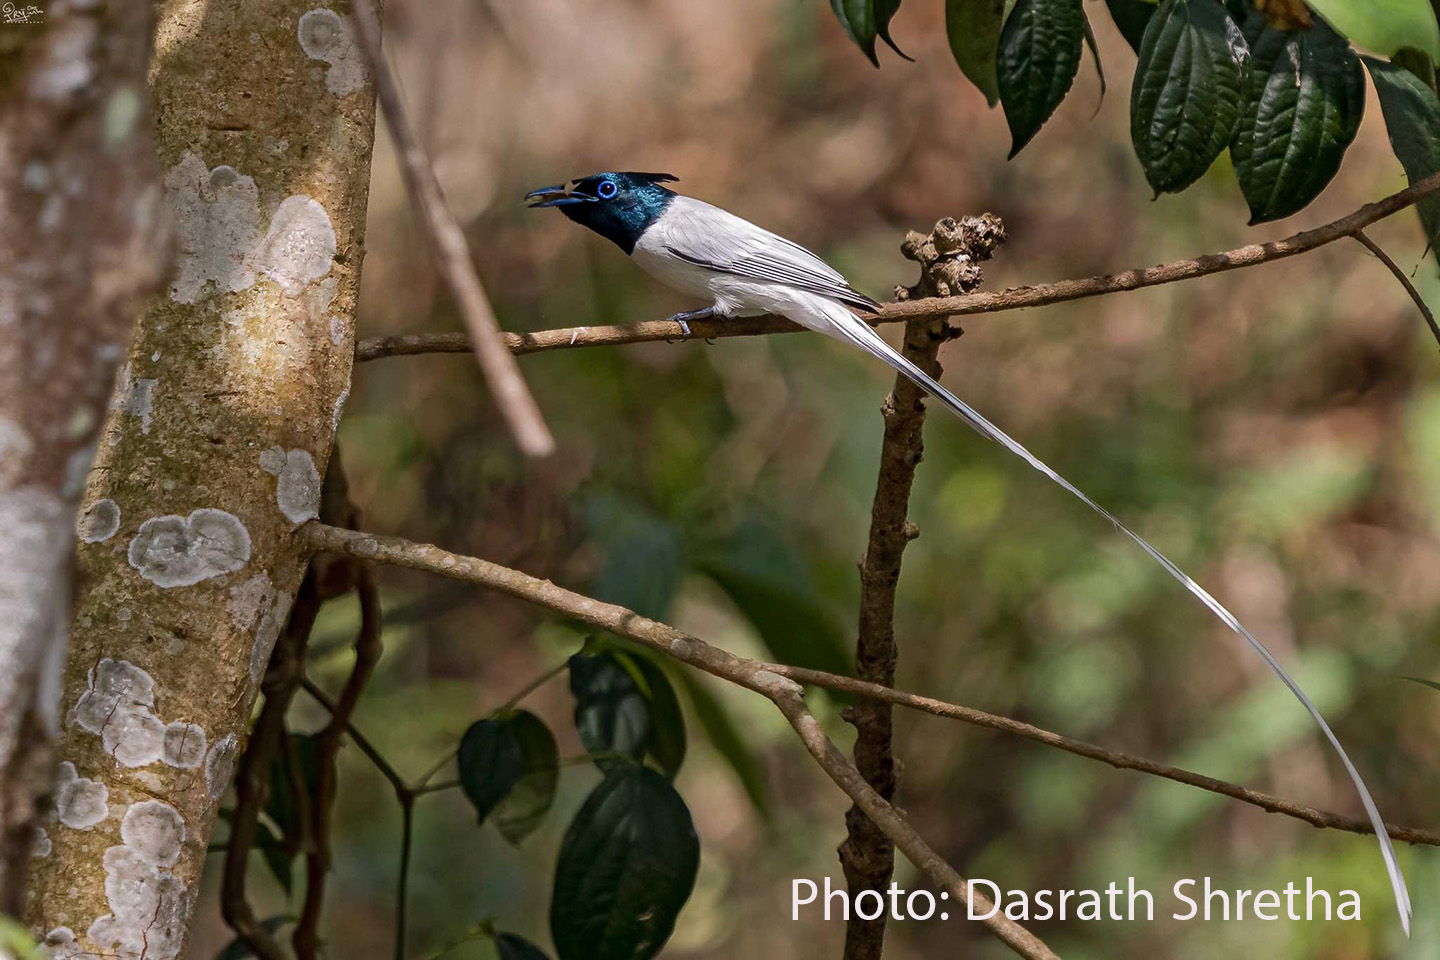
845,326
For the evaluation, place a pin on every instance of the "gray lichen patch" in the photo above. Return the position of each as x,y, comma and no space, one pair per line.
99,522
339,409
80,803
148,903
267,633
220,765
184,745
60,944
297,487
217,221
252,597
42,846
135,396
325,35
119,705
300,247
154,831
175,551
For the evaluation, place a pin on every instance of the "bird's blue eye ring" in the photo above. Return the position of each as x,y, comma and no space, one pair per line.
607,190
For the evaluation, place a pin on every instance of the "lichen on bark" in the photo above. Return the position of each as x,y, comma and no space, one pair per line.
266,170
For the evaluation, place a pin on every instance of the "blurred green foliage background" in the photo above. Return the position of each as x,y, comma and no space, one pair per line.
1275,430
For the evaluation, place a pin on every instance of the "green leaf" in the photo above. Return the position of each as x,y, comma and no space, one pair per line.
1412,117
1384,26
1185,102
509,766
1418,63
1095,55
885,11
772,588
511,946
626,706
16,942
667,721
626,867
725,737
1038,58
612,715
643,556
490,762
1131,16
973,29
1303,100
865,20
1428,683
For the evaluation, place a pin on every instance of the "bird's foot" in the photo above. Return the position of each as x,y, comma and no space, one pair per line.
684,320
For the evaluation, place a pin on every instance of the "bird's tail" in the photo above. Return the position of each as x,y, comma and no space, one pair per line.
840,323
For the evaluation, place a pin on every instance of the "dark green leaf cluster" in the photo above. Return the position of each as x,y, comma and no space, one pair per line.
1211,75
629,858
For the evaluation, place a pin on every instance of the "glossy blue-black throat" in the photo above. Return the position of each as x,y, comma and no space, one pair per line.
618,206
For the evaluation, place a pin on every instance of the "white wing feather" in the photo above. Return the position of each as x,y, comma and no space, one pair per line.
706,236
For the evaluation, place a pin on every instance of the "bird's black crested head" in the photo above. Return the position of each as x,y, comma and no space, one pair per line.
618,206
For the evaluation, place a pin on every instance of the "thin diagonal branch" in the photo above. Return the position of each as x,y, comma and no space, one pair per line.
667,640
697,653
1399,274
452,253
1016,298
1114,758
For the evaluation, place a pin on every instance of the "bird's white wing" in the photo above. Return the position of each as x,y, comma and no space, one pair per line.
713,239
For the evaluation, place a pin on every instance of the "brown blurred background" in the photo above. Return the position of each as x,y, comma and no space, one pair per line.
1275,430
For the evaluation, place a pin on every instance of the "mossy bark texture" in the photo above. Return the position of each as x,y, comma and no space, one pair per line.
219,433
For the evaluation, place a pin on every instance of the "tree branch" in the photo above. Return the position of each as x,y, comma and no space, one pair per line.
697,653
452,253
667,640
1399,274
949,261
1114,758
1016,298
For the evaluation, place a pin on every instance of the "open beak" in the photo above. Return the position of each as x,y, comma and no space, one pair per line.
556,196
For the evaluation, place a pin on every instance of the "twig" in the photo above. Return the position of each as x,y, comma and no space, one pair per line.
1399,274
253,773
667,640
536,684
387,770
1016,298
331,738
697,653
895,826
402,882
452,253
1121,761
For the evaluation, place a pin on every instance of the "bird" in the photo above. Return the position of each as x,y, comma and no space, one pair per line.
744,270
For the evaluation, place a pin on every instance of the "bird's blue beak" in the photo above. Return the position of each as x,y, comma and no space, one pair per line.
556,196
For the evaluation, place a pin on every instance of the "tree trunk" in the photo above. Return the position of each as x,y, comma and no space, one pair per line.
219,433
83,240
